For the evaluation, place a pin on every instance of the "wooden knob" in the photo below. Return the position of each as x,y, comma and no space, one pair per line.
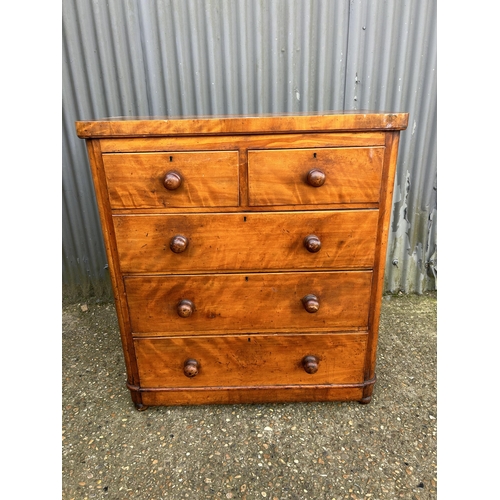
185,308
191,367
178,243
316,177
312,243
311,303
172,180
310,364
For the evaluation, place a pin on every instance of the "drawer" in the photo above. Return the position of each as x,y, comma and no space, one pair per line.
224,242
207,179
251,360
290,176
254,302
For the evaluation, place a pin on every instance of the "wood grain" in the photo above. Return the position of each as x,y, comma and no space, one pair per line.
247,394
279,177
253,302
234,124
235,142
97,170
251,360
261,241
391,152
136,180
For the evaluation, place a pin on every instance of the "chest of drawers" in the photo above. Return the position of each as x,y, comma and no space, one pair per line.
246,253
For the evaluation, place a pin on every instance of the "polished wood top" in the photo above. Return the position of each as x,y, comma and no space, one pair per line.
325,121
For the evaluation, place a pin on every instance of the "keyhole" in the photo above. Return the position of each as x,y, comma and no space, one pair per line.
314,155
171,158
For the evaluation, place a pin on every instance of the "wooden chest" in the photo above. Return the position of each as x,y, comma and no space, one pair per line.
246,253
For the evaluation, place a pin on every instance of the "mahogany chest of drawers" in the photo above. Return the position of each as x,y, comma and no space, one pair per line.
246,253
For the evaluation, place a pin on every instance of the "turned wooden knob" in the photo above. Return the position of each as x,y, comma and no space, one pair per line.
312,243
311,303
316,177
172,180
178,243
185,308
191,367
310,364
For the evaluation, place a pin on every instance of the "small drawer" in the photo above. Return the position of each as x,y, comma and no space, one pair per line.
254,302
186,243
251,360
172,179
316,176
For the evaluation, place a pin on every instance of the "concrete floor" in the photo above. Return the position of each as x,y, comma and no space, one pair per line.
383,450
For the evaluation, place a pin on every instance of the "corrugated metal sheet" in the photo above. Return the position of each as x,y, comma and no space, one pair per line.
195,57
392,66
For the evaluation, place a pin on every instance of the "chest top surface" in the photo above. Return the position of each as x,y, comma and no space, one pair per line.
355,121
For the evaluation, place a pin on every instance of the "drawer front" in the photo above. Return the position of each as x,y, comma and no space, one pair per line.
208,179
194,304
224,242
280,177
251,360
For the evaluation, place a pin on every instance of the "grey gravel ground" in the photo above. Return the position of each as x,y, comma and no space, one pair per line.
383,450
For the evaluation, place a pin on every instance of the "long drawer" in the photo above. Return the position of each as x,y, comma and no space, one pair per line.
314,176
250,360
253,302
225,242
195,179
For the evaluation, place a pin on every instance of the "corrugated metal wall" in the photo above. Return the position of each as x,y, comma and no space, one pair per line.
195,57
